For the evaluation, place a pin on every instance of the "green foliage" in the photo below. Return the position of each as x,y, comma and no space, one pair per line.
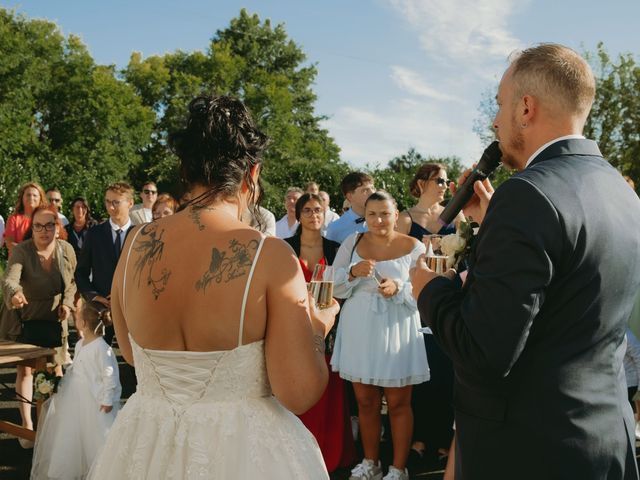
615,116
66,121
259,64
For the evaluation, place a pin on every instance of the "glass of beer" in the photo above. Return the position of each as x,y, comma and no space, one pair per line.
321,286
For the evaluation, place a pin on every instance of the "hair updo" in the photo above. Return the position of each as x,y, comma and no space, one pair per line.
218,148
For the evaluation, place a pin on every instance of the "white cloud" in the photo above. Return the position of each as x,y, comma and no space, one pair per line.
413,83
368,137
462,30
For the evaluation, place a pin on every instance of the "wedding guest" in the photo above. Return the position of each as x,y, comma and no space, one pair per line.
287,225
312,187
54,197
536,334
141,212
164,206
329,215
261,219
224,314
378,346
328,419
102,247
431,401
38,288
356,187
30,196
82,222
75,421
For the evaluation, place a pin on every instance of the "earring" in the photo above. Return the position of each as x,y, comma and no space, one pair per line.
523,125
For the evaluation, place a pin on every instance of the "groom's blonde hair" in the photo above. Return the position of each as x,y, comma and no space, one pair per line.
557,76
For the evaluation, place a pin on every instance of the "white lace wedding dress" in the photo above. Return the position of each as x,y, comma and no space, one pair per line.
207,415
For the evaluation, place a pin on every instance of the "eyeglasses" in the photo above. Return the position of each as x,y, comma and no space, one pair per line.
112,203
150,192
49,227
307,212
55,200
441,182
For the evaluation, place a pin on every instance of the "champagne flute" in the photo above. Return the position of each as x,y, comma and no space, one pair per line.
436,261
321,286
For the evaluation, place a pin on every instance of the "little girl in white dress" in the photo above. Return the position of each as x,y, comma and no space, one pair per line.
76,420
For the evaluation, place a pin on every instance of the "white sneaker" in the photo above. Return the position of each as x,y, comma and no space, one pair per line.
367,470
395,474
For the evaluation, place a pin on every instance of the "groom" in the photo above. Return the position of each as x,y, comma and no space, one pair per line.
536,334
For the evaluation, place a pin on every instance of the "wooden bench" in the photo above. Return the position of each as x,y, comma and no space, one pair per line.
14,353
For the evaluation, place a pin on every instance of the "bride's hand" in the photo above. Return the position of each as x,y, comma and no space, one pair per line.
323,318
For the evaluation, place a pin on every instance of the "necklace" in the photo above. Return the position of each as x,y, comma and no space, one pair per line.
429,211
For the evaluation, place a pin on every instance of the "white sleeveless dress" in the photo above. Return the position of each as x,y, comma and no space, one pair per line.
207,415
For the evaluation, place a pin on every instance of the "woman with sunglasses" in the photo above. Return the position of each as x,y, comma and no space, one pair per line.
30,196
39,290
433,414
328,419
429,186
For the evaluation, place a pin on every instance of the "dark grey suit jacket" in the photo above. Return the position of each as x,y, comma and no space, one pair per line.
537,333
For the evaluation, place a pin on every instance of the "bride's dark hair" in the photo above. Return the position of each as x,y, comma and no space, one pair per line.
218,148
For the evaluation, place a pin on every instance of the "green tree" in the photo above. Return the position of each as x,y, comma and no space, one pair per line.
66,121
614,122
259,64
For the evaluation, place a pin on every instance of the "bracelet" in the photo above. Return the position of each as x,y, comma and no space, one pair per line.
318,344
350,272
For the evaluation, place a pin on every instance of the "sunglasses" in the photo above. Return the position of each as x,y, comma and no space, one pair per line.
150,192
49,227
441,182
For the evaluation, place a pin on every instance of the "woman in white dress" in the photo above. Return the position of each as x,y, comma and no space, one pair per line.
216,319
378,346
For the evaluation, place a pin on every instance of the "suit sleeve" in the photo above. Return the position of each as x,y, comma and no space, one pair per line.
83,270
11,280
485,327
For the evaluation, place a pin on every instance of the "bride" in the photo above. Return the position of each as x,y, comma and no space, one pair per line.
216,319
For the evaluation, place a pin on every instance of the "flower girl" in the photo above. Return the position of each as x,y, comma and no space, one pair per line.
75,420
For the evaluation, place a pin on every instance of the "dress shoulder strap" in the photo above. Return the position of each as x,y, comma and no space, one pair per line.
246,289
126,265
409,213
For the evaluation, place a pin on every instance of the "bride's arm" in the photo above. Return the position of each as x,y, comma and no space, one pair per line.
294,339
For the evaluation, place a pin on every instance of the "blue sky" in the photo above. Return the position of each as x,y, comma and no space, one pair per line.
393,74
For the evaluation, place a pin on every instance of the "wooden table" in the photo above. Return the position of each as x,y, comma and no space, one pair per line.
13,353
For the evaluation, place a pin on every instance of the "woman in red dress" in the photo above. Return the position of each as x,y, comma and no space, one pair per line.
328,419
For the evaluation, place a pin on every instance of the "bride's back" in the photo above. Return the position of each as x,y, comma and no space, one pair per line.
185,279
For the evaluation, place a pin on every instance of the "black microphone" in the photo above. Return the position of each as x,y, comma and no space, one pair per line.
488,163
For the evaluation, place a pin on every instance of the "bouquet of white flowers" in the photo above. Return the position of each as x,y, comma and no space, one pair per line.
45,383
457,246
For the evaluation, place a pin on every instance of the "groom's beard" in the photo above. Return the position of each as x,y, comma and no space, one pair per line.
515,144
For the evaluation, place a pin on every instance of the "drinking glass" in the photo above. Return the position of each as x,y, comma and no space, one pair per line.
321,286
436,261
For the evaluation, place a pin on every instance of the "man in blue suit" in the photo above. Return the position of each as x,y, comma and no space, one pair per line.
102,246
536,334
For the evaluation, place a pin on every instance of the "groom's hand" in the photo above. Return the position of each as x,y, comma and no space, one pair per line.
477,206
420,275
